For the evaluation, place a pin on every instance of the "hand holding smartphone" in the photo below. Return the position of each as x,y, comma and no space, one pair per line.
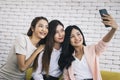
104,11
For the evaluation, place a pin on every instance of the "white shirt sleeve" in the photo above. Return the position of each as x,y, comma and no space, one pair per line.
20,45
37,75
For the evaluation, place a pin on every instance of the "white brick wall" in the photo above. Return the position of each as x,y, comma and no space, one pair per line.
16,16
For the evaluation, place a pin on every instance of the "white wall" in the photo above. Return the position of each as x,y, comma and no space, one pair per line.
16,16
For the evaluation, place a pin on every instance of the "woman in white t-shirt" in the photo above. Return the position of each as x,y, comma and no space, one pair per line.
25,50
47,68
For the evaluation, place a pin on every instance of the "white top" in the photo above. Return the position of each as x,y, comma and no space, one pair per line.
53,67
81,69
22,46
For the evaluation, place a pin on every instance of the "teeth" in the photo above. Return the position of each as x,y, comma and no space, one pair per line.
42,33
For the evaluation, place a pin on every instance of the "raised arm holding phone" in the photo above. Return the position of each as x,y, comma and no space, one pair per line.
79,61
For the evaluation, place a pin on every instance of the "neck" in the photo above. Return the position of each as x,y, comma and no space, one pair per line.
79,50
34,40
57,46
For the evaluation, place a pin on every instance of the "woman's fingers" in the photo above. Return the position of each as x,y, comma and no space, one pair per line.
108,20
107,17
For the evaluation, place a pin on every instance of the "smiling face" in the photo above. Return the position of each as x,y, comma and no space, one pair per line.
59,35
76,38
41,29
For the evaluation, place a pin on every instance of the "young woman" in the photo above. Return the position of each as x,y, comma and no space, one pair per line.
25,50
81,62
48,68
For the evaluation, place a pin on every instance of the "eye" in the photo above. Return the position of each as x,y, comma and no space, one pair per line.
46,26
62,30
40,26
71,36
78,34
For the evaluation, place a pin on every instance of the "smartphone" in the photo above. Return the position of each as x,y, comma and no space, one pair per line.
103,11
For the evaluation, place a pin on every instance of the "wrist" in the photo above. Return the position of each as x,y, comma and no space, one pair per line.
38,51
115,29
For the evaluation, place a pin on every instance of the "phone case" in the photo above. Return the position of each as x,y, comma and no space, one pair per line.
103,11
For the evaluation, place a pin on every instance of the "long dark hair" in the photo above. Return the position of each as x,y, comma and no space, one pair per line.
30,32
66,57
49,44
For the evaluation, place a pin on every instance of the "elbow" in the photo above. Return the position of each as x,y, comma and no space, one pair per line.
22,69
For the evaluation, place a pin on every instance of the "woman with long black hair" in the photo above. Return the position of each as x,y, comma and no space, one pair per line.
47,64
81,62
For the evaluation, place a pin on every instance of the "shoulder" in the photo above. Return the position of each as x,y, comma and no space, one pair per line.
21,37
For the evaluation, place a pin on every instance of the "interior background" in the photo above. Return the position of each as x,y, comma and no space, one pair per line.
16,16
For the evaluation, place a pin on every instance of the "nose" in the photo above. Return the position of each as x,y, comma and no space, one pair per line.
76,37
60,34
44,28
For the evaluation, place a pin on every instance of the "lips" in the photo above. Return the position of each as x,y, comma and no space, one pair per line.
42,33
78,41
60,38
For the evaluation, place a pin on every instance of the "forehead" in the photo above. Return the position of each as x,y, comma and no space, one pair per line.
59,27
42,21
75,31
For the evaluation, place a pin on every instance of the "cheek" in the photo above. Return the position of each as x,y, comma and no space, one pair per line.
55,37
80,36
47,31
63,33
71,41
37,29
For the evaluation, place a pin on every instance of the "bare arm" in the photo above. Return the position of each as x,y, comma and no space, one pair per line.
24,64
113,26
65,75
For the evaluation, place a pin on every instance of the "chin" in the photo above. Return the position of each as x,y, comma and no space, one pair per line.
42,37
61,41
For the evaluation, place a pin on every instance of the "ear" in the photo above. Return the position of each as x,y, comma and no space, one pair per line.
32,29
